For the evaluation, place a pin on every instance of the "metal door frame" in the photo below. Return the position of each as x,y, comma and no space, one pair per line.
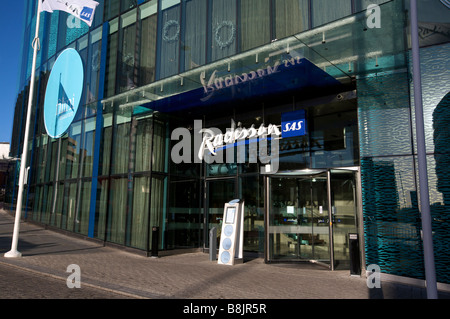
311,173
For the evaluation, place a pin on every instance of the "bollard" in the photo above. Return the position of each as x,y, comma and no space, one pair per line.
355,260
155,241
213,244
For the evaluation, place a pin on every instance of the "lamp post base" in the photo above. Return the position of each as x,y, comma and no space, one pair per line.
13,254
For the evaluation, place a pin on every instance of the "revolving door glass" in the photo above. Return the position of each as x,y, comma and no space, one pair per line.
299,219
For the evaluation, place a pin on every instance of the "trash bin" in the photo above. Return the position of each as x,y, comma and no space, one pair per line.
155,241
355,259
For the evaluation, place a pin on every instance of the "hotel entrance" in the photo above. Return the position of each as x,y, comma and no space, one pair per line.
310,214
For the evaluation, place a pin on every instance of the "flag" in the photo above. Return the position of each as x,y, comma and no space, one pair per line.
446,3
82,9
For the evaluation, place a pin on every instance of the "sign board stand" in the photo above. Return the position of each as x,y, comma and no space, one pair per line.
231,248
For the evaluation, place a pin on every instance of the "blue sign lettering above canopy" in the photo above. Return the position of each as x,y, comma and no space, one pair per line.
293,124
63,93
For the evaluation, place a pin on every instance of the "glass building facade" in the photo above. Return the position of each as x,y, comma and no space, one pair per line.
156,67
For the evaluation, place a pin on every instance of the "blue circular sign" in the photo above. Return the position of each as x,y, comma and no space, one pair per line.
226,244
225,257
228,230
63,93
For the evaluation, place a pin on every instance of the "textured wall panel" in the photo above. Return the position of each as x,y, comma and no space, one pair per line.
391,216
435,67
384,115
392,220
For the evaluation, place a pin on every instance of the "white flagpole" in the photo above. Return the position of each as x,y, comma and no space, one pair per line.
14,253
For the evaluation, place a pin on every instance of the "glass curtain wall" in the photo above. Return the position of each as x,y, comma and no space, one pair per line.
132,186
60,185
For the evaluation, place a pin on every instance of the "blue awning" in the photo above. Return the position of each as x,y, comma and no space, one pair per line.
222,87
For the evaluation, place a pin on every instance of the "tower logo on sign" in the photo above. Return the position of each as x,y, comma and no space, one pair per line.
86,13
63,93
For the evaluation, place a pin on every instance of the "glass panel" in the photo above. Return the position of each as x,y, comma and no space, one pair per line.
117,211
148,50
128,4
72,151
290,219
93,72
343,201
36,206
159,147
331,138
291,17
219,193
49,205
439,190
87,153
391,215
170,44
44,159
69,206
157,208
51,166
62,158
184,218
298,218
105,153
195,34
384,117
320,228
101,208
143,144
435,76
334,138
111,66
252,190
56,218
121,146
82,217
324,11
254,23
434,21
223,32
140,215
111,9
127,80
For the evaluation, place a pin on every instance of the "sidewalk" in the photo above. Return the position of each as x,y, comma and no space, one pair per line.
184,276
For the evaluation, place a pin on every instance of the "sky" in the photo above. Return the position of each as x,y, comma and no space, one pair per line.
11,38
